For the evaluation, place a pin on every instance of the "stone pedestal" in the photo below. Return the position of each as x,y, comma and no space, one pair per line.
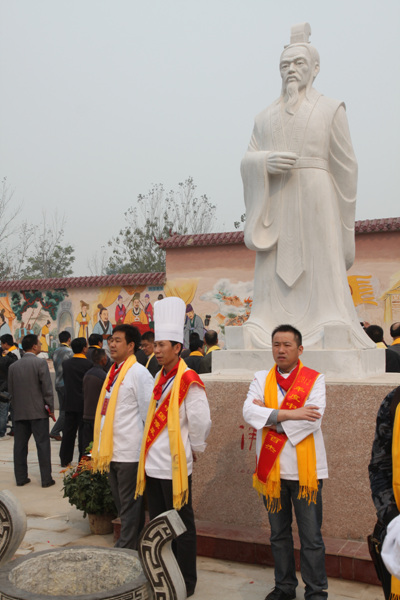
347,364
222,477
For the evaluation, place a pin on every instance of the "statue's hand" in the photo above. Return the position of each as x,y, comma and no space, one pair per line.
280,162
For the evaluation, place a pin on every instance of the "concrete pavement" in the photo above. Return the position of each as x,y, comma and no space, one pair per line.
53,522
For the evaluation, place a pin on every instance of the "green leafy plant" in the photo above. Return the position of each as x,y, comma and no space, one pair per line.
88,491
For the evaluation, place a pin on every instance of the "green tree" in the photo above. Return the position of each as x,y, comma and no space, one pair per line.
156,216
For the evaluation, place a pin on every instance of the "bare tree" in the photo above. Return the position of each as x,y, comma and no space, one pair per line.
156,215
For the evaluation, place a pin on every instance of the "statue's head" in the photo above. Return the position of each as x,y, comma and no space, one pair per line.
299,62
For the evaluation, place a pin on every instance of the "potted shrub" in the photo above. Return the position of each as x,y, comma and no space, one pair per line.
91,493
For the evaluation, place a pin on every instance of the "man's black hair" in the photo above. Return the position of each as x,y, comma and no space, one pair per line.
8,339
132,334
375,333
288,329
395,330
195,342
148,336
78,344
211,338
64,336
97,355
95,339
175,343
29,341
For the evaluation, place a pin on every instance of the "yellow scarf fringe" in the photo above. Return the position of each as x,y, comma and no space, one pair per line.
306,460
395,585
103,437
180,482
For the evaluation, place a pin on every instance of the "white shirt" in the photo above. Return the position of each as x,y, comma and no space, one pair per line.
257,416
133,401
195,424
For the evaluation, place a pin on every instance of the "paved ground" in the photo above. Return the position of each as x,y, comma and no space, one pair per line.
53,522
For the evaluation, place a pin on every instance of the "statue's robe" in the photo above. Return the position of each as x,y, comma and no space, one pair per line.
301,223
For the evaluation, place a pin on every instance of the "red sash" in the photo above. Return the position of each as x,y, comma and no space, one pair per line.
160,417
274,442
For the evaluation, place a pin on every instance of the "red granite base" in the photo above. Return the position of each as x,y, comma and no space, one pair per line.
345,559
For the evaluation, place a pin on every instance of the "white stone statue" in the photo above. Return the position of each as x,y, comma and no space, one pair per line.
300,181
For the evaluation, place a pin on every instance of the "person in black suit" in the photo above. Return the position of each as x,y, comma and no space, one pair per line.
147,347
74,370
196,352
30,386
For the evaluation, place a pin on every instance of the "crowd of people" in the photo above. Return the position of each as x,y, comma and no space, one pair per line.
143,407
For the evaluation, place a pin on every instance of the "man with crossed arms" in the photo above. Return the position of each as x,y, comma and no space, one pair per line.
285,406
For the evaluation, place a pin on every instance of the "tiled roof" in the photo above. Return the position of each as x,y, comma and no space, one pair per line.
237,237
377,225
202,239
129,279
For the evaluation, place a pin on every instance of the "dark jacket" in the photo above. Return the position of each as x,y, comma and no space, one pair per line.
193,362
92,384
30,385
5,363
206,362
381,466
74,370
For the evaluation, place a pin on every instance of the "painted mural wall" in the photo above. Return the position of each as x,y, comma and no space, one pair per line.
217,281
81,311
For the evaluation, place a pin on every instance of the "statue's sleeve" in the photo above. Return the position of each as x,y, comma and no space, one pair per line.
343,168
256,196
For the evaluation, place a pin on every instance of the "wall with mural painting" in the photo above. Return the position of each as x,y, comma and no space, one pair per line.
81,307
211,272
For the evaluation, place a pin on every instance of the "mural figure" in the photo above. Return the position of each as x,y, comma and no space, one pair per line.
120,312
300,182
148,309
83,321
103,325
193,324
136,314
4,327
44,337
20,333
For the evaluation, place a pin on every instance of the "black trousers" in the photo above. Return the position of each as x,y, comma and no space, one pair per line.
73,424
122,479
87,433
159,499
23,430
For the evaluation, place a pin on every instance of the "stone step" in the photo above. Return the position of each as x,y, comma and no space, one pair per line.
345,559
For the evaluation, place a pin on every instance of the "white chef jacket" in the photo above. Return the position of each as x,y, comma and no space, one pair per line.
133,401
195,424
257,416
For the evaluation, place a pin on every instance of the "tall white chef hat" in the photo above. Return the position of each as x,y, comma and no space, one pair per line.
169,319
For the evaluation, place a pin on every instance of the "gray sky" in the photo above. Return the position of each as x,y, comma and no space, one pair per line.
102,98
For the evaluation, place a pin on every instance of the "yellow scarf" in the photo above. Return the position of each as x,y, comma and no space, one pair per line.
196,353
11,348
180,483
395,586
149,359
212,348
396,342
80,355
306,459
103,436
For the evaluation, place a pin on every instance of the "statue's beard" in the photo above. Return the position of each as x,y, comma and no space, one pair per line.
292,96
